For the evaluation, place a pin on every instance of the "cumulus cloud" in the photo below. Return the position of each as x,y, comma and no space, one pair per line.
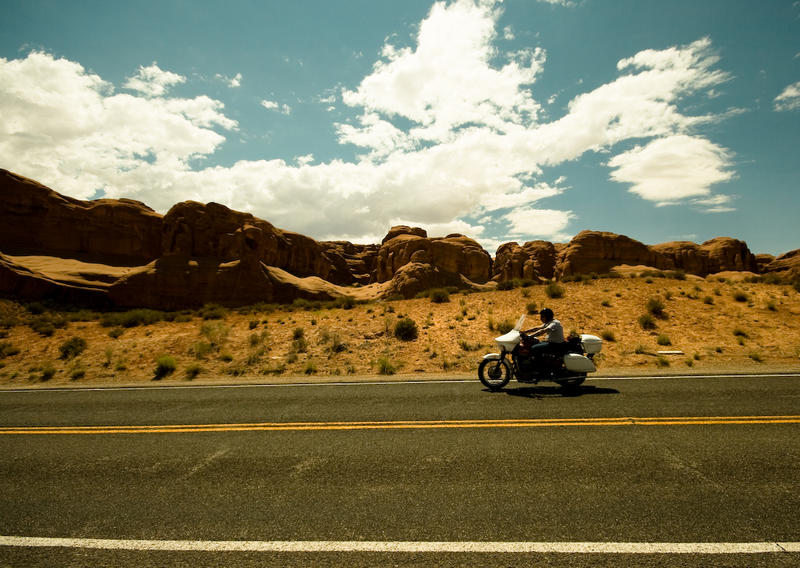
447,82
549,223
152,81
272,105
449,129
233,82
68,128
673,168
789,99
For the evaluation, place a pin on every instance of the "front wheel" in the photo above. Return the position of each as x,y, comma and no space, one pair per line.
494,373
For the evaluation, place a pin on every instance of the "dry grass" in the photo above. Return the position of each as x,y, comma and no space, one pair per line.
360,341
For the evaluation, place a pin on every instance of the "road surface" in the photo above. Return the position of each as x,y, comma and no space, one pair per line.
677,471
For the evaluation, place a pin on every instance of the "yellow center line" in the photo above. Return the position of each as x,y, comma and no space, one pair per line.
400,425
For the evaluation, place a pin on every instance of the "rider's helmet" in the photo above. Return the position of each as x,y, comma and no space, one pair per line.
546,314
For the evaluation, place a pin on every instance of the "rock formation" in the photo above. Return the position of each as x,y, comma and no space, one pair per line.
786,265
535,260
122,253
37,220
454,253
596,251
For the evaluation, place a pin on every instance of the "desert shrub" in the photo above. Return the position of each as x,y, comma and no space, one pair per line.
796,285
386,367
554,291
193,370
255,357
504,326
77,372
656,307
663,340
116,332
48,372
253,324
254,339
676,274
531,308
310,369
226,357
739,332
72,347
690,362
298,333
741,296
647,322
772,306
216,333
213,312
756,357
201,349
337,346
708,300
662,362
467,346
605,304
608,335
46,325
439,296
131,318
36,308
345,302
7,349
300,345
505,285
406,329
165,365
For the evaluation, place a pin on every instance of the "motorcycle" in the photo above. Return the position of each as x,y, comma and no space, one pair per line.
566,364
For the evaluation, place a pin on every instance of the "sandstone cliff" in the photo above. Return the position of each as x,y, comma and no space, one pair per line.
122,253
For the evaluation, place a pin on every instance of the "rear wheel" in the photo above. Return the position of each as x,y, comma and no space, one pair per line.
572,382
494,373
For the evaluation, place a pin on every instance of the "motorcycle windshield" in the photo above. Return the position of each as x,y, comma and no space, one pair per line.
520,323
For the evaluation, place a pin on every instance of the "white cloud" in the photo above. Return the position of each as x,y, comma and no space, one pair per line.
789,99
674,168
233,82
714,204
152,81
66,127
567,3
474,155
446,82
272,105
549,223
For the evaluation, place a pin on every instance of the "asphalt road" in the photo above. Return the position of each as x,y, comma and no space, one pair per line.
430,477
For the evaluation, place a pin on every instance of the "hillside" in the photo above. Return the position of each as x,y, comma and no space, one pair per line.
719,323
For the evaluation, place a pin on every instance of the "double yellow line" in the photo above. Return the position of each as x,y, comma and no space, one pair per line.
399,425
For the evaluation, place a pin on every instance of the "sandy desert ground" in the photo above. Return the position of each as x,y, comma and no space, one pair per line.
720,323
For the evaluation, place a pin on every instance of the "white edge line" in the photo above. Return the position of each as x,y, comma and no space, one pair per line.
406,547
383,383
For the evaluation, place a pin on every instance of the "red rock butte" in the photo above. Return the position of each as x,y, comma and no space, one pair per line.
120,253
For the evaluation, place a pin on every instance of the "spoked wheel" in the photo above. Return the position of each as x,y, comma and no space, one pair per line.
572,382
494,374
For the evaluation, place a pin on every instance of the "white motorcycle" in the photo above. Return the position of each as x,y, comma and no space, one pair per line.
567,363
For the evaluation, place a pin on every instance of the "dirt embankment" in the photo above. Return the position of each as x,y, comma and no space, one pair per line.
717,324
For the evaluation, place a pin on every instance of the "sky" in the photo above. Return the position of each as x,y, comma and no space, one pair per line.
504,121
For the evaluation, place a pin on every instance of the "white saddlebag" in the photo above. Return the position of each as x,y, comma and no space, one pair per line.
579,363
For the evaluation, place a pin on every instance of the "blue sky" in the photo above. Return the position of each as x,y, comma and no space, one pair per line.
513,120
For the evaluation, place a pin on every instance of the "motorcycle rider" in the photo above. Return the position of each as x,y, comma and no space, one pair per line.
552,327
